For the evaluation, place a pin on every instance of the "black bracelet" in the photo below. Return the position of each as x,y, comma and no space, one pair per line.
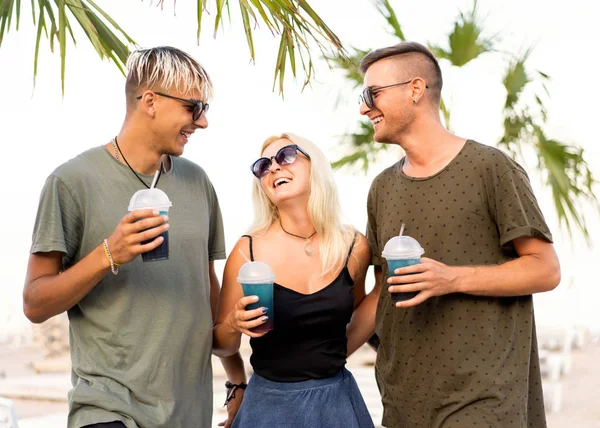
231,388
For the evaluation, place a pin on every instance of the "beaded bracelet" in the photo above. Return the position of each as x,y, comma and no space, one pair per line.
231,388
114,267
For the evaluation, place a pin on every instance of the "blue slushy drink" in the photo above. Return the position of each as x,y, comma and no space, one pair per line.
257,279
158,200
402,251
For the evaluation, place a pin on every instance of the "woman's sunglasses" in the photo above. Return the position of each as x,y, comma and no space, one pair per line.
284,156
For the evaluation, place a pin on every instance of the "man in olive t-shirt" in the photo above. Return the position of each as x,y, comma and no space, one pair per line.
140,332
463,351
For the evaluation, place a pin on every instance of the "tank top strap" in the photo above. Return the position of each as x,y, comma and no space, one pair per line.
351,247
250,246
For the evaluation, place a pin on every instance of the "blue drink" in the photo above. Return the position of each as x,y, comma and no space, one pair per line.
402,251
158,200
265,298
392,266
162,251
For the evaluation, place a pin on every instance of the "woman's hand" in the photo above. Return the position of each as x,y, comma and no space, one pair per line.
239,319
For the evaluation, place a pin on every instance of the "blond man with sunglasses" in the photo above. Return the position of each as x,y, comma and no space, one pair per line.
141,333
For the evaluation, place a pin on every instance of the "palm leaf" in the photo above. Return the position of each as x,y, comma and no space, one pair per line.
466,42
199,13
350,65
246,22
294,21
515,80
568,175
445,113
41,26
564,169
62,40
104,34
363,152
387,11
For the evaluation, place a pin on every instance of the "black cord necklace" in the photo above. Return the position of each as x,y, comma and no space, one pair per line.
132,170
307,238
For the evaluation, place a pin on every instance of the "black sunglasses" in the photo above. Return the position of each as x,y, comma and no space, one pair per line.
199,106
367,93
284,156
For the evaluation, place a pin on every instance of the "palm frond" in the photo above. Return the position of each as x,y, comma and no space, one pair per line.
568,175
515,80
388,12
363,151
105,35
445,113
466,41
563,166
350,65
298,26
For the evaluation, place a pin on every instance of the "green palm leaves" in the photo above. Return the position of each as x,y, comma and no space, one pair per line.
562,166
55,19
466,42
294,21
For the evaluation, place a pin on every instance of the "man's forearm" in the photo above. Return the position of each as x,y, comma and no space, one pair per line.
362,324
50,295
226,341
525,275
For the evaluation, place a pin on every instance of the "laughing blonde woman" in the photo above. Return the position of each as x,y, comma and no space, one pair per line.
299,379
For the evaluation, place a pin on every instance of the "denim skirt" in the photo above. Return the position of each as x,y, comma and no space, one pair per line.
334,402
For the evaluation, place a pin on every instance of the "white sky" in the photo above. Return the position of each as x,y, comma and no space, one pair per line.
40,130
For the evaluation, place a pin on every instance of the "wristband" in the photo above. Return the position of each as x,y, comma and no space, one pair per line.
231,388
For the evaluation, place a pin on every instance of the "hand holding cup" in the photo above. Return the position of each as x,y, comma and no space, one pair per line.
402,251
248,321
138,232
257,280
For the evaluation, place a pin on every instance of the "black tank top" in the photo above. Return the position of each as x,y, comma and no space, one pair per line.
309,337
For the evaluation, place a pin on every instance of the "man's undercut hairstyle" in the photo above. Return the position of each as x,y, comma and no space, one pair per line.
165,68
416,61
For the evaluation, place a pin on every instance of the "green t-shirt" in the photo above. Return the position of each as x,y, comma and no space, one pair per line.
141,340
458,360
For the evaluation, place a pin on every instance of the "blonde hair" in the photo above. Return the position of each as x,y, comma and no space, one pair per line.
165,68
323,206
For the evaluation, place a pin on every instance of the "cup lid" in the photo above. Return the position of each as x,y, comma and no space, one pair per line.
149,198
402,247
255,273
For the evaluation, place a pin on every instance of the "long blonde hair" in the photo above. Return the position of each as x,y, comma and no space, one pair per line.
323,206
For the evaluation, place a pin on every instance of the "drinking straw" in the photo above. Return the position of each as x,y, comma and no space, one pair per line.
242,253
155,178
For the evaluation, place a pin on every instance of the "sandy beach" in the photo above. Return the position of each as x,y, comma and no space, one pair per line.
40,398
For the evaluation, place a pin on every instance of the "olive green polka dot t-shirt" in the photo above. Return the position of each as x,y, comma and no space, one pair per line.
458,360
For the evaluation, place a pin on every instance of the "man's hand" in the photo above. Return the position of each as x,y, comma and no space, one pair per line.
430,278
125,243
232,408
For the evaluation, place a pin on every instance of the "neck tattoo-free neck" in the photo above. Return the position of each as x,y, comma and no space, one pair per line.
307,250
118,151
